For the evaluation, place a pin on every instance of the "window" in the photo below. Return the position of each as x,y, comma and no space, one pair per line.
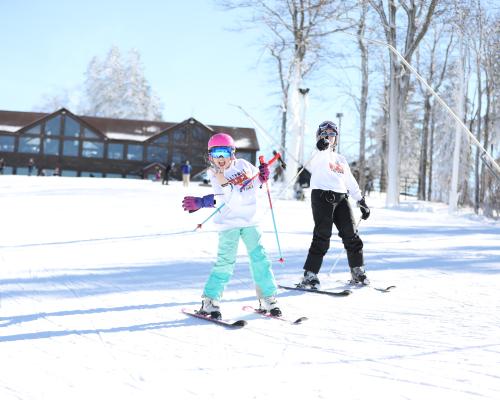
7,143
161,140
53,126
245,155
115,151
92,149
198,159
23,171
66,172
29,144
36,130
8,170
156,153
70,148
71,127
179,136
108,175
134,152
178,157
51,146
90,134
199,134
91,174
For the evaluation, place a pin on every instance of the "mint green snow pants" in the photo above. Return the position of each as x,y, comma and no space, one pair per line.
260,265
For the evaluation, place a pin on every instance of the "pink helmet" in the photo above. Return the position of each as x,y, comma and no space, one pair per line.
221,140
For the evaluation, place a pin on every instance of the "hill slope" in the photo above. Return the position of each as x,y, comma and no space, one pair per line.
94,273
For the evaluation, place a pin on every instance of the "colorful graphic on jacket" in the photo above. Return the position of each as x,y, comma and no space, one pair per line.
238,179
337,167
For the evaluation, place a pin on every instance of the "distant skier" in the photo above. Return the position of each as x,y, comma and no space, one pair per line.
331,182
237,219
186,173
166,174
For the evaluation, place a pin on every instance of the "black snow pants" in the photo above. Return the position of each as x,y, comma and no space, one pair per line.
330,208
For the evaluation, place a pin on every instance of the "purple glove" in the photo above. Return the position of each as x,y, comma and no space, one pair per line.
193,204
263,172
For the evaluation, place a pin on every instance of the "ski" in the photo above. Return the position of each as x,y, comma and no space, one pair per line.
224,322
386,289
342,293
265,314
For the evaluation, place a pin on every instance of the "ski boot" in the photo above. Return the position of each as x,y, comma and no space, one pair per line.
359,276
269,305
210,307
310,280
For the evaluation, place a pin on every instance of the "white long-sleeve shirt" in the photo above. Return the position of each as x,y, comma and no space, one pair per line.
331,171
240,208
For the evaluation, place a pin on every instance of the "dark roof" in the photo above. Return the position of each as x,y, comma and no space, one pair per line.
18,119
126,129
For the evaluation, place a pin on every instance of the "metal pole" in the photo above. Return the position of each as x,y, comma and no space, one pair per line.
339,116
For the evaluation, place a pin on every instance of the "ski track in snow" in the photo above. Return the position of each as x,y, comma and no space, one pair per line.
95,273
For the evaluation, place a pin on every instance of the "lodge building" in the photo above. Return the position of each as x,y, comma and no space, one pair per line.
109,147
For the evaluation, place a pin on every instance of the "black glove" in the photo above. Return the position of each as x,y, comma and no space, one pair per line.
365,211
322,144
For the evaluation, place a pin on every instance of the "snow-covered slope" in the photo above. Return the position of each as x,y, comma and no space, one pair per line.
94,274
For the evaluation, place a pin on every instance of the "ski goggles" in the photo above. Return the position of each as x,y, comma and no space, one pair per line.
225,152
328,134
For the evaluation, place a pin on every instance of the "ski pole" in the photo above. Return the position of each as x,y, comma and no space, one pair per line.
340,253
277,156
199,226
281,260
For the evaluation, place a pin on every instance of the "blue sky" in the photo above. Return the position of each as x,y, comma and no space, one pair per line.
193,58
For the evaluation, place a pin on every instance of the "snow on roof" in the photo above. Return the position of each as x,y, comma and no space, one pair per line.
10,128
244,142
126,136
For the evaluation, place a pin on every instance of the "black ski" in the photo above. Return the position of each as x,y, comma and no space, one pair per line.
224,322
265,314
342,293
384,290
360,285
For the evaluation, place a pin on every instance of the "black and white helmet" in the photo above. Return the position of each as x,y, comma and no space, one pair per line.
327,125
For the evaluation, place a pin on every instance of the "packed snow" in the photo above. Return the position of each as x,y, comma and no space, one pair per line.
95,273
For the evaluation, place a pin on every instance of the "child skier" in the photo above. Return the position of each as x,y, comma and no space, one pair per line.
331,182
236,219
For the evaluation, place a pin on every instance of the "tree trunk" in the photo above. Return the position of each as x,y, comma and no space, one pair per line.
283,132
477,187
363,104
422,184
392,198
431,153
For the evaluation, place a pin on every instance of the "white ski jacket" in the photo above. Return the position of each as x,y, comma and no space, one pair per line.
240,208
331,171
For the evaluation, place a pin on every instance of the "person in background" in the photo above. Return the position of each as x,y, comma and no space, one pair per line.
237,219
166,174
186,173
31,164
331,183
2,165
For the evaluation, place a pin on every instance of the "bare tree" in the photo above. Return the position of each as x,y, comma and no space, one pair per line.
363,102
295,32
434,74
418,18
